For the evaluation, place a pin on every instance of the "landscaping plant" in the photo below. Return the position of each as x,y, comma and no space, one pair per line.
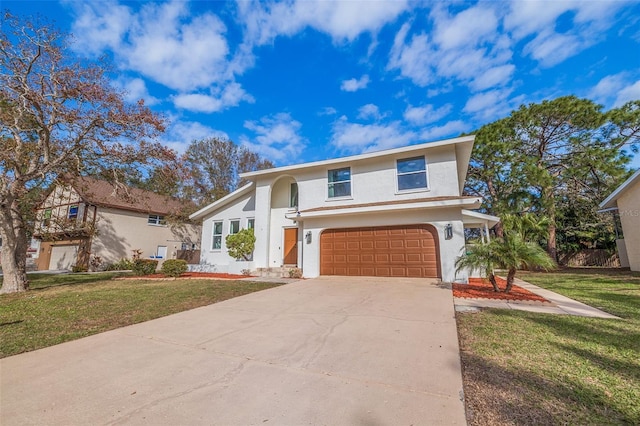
241,244
174,267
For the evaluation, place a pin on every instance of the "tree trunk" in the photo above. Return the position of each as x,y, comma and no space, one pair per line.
510,277
494,283
552,250
14,253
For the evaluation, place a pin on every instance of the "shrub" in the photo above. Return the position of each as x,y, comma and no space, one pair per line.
174,267
144,266
121,265
78,268
241,244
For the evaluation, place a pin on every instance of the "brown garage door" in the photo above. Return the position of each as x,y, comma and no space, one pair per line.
389,251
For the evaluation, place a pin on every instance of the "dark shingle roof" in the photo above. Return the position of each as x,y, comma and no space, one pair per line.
106,194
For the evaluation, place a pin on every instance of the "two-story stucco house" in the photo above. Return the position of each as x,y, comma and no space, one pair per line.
626,201
85,217
398,212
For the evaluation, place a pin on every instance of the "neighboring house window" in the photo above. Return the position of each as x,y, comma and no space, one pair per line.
293,198
251,223
155,219
47,217
216,243
412,173
234,226
340,182
73,212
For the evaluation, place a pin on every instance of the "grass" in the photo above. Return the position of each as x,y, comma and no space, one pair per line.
59,308
528,368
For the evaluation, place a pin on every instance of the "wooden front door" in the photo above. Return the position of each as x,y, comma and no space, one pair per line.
290,246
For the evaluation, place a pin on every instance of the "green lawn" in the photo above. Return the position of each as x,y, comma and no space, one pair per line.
527,368
59,308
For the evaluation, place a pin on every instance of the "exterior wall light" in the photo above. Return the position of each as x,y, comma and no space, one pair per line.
307,237
448,232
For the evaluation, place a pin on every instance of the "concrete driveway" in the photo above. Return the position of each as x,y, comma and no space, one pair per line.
327,351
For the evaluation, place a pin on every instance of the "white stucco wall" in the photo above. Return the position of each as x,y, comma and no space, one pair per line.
450,250
242,209
629,210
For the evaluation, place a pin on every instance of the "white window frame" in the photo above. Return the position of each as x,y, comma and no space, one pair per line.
156,220
293,205
214,235
75,216
231,222
425,171
349,181
251,223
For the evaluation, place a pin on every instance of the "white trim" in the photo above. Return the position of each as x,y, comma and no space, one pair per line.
221,202
426,176
484,218
348,160
611,199
473,203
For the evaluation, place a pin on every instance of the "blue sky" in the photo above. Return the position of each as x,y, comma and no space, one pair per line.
302,81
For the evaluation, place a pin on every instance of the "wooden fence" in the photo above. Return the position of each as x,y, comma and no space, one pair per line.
591,257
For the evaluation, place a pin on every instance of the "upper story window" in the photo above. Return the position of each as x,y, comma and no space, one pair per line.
234,226
251,223
216,241
340,182
412,173
73,212
293,195
155,219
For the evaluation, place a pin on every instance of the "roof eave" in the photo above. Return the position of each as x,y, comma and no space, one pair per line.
221,202
427,145
610,201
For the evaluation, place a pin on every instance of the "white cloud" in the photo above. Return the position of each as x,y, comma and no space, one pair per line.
180,134
425,114
465,47
354,84
487,105
276,138
369,111
328,111
628,93
616,89
450,129
584,23
343,21
231,95
136,89
163,42
357,138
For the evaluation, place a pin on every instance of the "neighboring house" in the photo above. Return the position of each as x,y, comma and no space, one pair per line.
398,212
626,200
86,218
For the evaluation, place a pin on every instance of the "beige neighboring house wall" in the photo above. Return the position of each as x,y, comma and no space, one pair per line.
119,232
626,199
89,218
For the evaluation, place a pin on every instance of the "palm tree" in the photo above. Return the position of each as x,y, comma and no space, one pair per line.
511,252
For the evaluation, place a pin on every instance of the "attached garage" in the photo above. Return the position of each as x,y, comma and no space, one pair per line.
63,257
387,251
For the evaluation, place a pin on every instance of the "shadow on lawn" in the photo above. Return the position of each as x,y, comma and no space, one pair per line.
513,396
45,281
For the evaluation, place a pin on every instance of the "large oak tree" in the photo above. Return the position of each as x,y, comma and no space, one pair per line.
59,115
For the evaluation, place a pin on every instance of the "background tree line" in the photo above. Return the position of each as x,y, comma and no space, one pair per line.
556,161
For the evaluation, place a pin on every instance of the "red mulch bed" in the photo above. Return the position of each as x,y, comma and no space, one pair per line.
479,288
209,275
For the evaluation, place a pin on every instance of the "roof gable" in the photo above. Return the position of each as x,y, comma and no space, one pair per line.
610,201
105,194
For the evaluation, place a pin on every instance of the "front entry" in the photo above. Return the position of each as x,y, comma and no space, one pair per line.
290,246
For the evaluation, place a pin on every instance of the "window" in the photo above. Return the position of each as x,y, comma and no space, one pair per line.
234,226
155,219
73,212
47,217
412,173
251,223
216,243
293,195
340,182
